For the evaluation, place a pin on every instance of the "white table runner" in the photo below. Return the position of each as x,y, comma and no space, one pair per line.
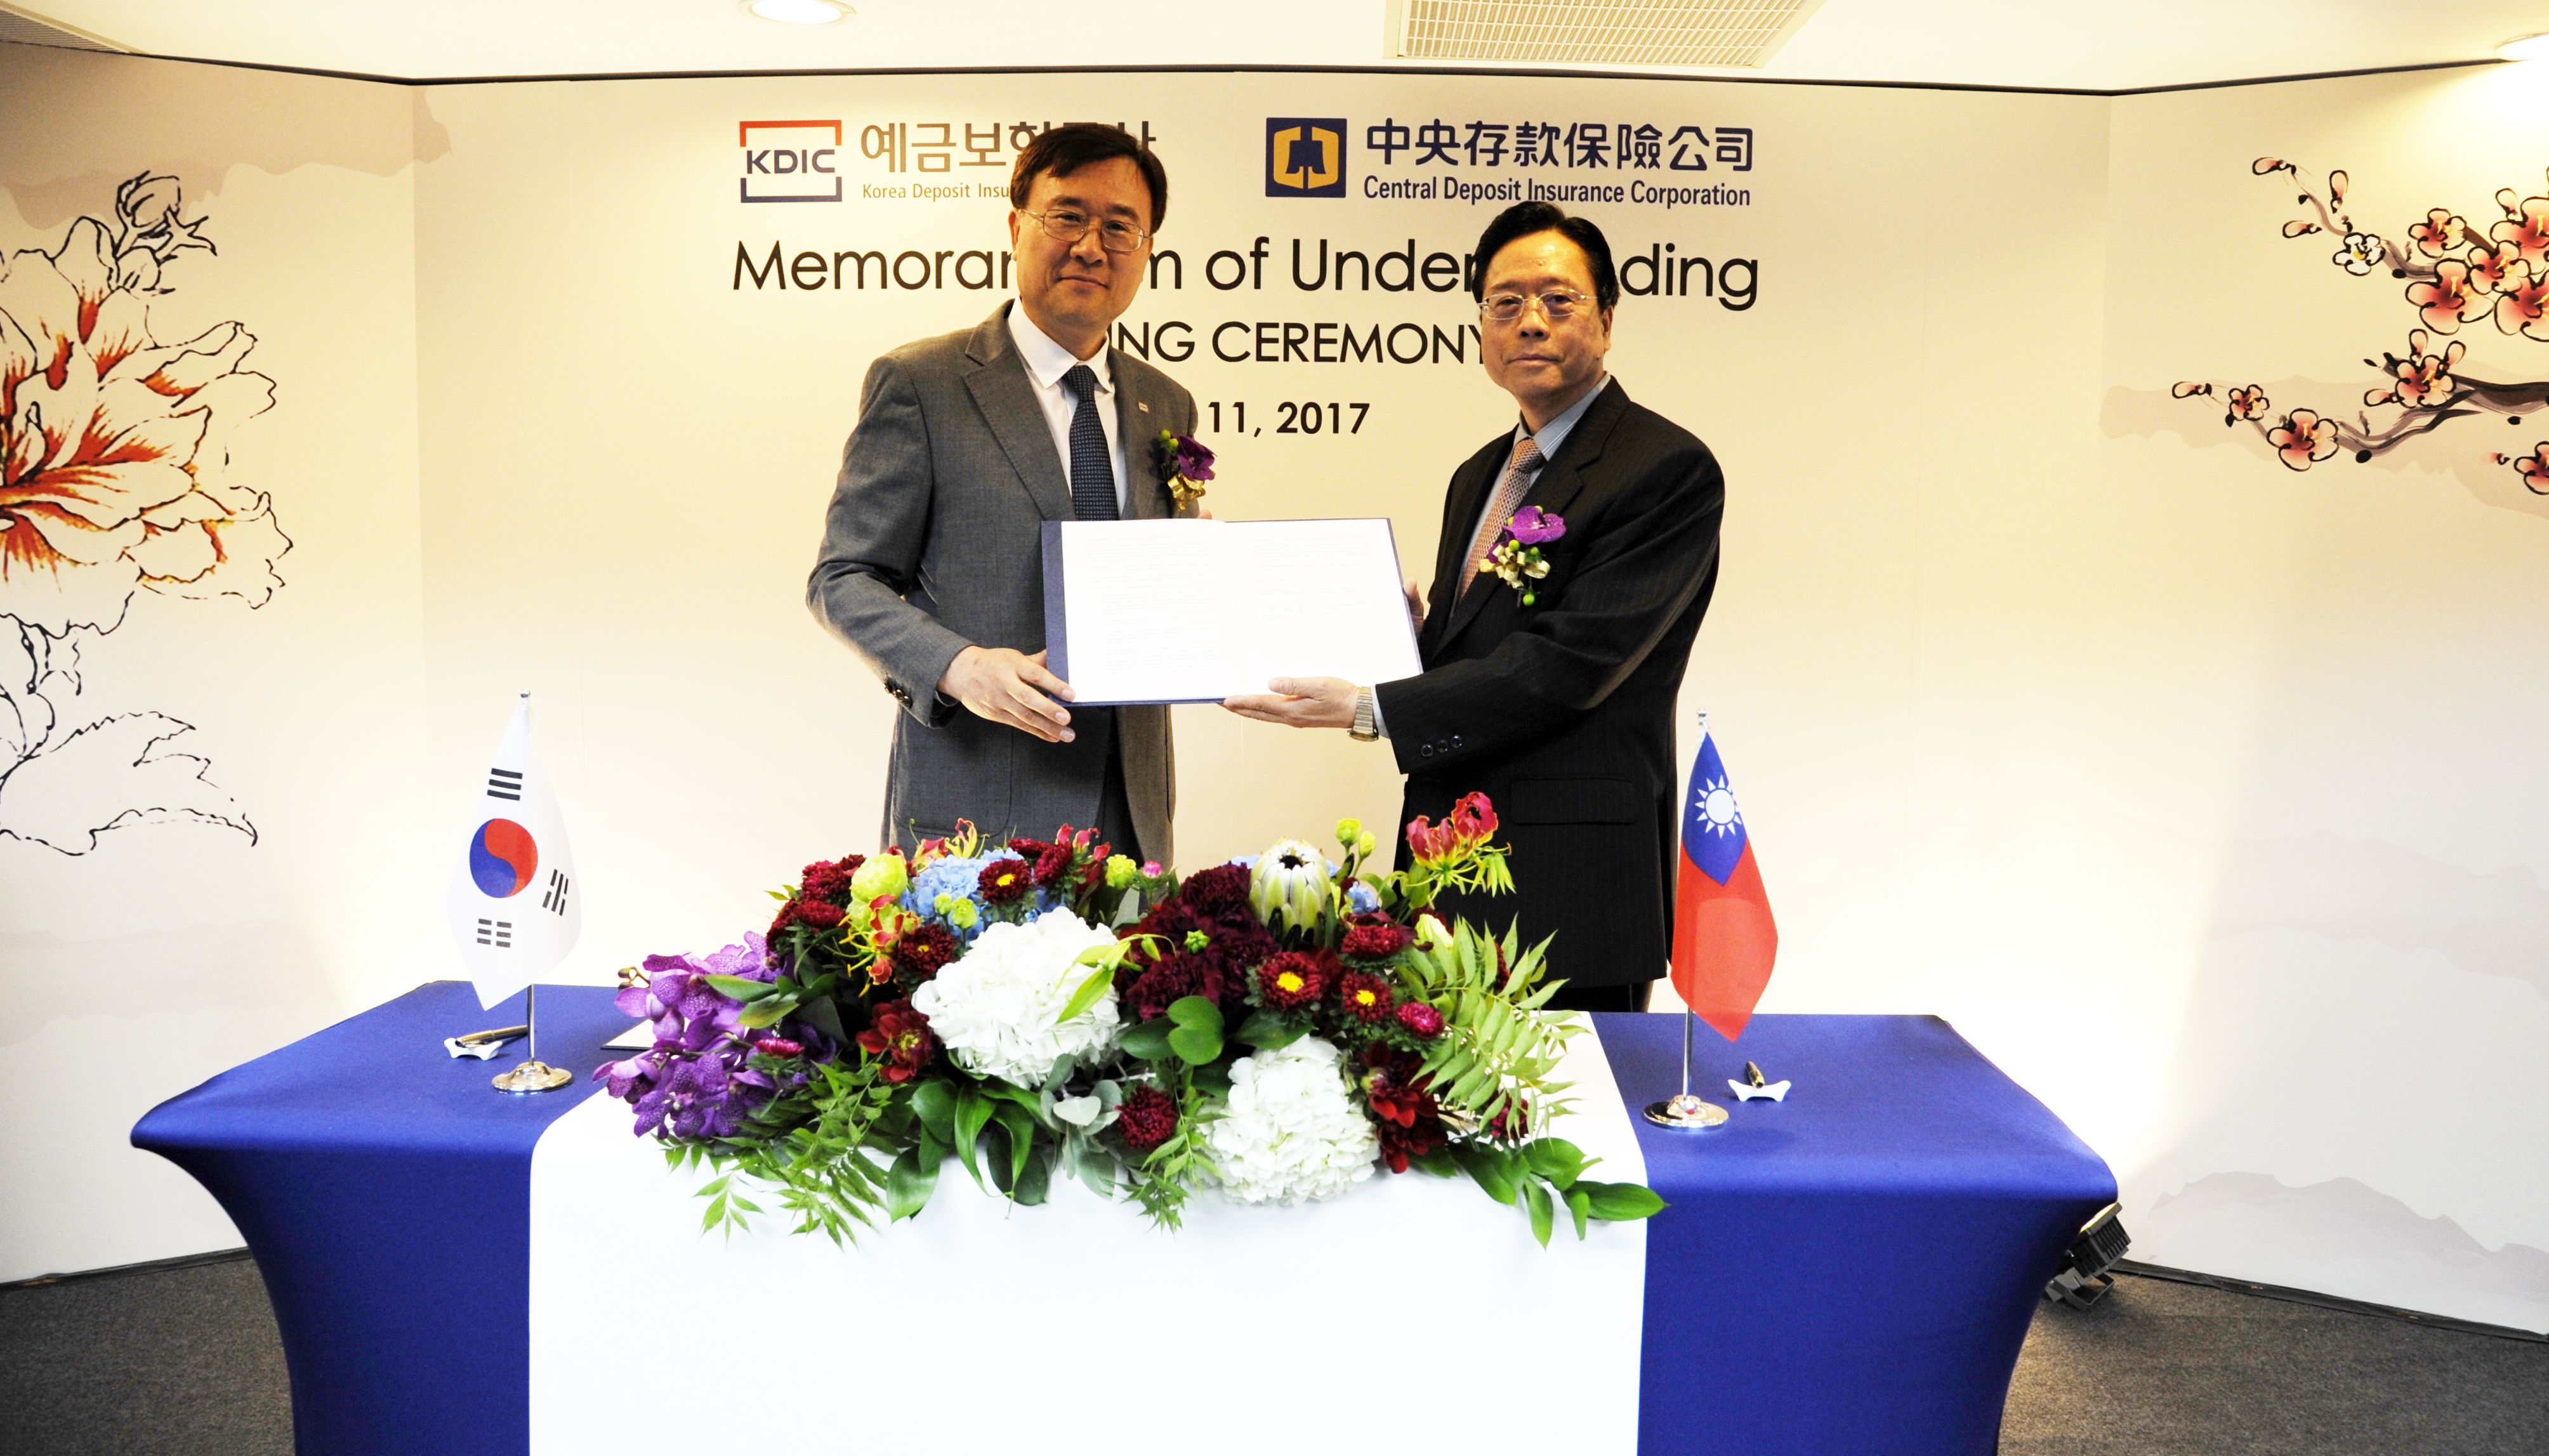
1411,1313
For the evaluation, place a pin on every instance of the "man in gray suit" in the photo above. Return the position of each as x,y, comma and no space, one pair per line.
965,446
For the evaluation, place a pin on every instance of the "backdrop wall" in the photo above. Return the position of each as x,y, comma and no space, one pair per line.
2050,713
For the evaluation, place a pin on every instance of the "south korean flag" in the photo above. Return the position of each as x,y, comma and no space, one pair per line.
516,907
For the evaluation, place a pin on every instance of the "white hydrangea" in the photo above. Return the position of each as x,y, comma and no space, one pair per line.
996,1008
1290,1133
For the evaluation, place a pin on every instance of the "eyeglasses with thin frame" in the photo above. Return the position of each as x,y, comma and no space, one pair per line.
1556,305
1070,224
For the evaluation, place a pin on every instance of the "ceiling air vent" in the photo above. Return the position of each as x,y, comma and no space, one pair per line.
1611,32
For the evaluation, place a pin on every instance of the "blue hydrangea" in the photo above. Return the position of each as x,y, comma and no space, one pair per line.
959,878
1361,898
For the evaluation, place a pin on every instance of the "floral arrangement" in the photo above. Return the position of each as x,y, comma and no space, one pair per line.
1278,1028
1516,555
1185,463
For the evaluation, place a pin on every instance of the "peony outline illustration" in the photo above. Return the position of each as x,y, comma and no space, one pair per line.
114,456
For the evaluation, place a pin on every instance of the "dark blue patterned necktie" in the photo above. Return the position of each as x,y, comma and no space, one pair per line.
1093,474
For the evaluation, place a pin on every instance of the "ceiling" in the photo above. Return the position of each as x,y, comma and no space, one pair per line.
2089,44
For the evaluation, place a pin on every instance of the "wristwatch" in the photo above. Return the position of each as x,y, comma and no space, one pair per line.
1367,726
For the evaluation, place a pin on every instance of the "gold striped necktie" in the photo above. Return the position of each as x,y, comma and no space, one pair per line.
1508,500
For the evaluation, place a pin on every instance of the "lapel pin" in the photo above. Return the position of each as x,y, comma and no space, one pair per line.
1143,406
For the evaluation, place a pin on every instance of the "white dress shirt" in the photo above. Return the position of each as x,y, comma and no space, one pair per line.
1047,362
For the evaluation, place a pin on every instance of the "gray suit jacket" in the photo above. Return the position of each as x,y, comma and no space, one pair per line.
934,542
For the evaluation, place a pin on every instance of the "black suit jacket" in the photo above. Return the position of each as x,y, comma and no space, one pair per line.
1563,712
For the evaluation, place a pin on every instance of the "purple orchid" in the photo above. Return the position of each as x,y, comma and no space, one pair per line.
695,1081
1194,458
1533,527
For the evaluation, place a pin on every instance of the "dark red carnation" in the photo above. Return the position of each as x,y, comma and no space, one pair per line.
1421,1019
1002,881
920,951
899,1037
829,879
1172,978
1366,998
820,914
1379,942
1211,891
1147,1119
1292,980
1051,864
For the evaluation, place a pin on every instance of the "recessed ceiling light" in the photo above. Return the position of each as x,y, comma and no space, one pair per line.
797,12
2525,48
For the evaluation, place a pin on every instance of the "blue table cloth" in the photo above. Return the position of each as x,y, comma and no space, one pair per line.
1851,1271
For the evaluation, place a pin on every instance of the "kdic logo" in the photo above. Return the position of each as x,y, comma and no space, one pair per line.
789,161
1305,156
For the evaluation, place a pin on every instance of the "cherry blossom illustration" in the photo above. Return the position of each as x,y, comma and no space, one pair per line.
114,452
2453,275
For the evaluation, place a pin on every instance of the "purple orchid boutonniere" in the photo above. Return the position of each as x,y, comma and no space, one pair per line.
1185,464
1516,556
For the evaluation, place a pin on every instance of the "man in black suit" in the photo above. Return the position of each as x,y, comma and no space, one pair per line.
1561,709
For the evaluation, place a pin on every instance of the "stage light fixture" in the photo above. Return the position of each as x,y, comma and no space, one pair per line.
2083,1279
797,12
2525,48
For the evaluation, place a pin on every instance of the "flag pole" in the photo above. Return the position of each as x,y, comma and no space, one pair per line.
533,1075
1687,1110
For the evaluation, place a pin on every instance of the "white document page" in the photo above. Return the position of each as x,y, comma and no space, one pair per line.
1199,610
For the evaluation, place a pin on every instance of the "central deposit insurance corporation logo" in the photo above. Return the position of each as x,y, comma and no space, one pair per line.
1305,156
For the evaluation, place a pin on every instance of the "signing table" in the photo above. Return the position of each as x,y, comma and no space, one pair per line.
457,1271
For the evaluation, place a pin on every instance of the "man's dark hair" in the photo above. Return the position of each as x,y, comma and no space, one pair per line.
1524,218
1065,149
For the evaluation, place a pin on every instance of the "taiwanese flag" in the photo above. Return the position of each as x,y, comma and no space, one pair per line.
1723,940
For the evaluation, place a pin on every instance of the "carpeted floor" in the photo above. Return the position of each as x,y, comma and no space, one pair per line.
185,1362
2164,1369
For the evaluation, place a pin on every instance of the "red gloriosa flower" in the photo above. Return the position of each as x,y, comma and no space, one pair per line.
1147,1119
899,1037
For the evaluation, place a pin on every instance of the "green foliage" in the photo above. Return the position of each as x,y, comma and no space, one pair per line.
1266,1030
829,1172
1493,1043
1196,1034
1547,1172
1158,1182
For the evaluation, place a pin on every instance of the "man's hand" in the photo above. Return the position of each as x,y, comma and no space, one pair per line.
1415,606
1008,687
1301,703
